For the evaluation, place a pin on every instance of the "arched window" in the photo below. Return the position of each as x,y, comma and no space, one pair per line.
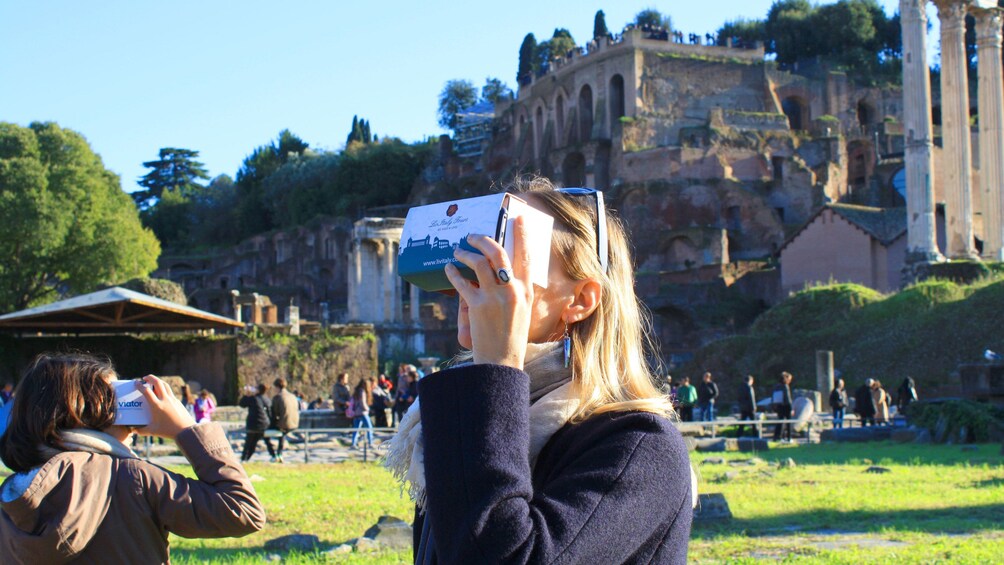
559,110
795,110
616,98
539,122
573,170
585,113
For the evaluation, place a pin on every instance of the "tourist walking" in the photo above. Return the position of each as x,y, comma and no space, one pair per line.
747,404
707,394
881,398
838,404
782,405
687,396
203,407
341,394
188,399
906,395
359,409
79,494
258,420
864,403
520,457
383,402
285,415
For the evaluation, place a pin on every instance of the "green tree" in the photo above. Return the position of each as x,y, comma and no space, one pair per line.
526,59
747,32
559,45
253,212
789,31
600,25
174,169
456,96
66,226
495,90
360,132
653,18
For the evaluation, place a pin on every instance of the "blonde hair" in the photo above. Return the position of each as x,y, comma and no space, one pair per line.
609,366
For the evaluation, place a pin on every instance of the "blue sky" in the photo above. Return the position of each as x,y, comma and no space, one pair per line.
222,77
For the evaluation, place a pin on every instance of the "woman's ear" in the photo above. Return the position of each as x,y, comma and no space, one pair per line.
586,299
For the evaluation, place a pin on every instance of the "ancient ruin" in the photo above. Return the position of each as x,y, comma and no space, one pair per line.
716,160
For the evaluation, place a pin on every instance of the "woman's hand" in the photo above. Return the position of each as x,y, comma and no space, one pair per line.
167,416
499,312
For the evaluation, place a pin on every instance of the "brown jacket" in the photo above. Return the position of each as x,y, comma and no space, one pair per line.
83,507
285,411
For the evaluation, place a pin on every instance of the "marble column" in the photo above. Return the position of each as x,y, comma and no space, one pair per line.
955,131
922,245
355,279
991,109
388,275
415,307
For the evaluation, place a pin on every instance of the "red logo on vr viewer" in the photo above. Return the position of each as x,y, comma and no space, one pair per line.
451,210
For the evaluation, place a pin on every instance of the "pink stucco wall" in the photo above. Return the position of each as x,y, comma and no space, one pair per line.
831,248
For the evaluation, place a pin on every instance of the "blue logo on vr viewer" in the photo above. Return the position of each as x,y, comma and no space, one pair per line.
131,404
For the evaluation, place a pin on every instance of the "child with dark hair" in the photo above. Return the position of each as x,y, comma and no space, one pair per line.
78,493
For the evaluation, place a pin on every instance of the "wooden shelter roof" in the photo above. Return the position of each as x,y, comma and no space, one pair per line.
114,310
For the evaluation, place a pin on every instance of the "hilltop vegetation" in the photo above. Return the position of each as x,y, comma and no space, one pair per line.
924,331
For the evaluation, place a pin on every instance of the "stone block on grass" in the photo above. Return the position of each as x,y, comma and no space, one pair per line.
293,542
712,507
391,532
752,444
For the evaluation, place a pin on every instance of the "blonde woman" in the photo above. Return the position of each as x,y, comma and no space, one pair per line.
553,443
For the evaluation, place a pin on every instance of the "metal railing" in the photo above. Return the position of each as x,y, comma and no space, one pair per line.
303,435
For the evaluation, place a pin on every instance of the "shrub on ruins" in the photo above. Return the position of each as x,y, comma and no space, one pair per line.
66,226
956,419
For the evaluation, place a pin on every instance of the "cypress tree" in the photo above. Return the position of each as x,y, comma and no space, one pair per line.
526,57
600,25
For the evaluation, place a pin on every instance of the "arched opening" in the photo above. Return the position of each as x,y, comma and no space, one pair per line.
794,109
573,170
559,111
585,113
859,163
866,115
540,129
616,98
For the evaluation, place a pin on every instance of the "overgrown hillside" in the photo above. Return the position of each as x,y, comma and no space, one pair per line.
924,331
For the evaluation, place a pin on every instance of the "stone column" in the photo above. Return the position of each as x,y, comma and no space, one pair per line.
355,279
388,276
922,245
416,319
824,377
991,108
955,130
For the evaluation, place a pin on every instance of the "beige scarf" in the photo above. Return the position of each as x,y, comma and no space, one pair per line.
545,365
91,441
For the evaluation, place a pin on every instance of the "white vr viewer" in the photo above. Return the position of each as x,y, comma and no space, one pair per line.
131,406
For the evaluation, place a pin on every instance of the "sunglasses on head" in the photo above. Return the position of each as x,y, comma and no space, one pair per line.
602,248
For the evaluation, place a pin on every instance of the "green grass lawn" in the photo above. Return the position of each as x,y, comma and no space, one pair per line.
939,504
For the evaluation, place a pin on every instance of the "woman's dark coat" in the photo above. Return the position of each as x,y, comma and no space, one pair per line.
615,488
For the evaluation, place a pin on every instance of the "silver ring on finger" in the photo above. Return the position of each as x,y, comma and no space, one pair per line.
504,275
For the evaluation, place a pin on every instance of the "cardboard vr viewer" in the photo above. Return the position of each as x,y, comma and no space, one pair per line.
431,234
131,407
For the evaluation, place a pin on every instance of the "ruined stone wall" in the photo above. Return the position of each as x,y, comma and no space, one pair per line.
310,363
306,264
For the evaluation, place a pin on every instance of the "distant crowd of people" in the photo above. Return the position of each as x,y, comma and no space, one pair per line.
872,402
374,402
